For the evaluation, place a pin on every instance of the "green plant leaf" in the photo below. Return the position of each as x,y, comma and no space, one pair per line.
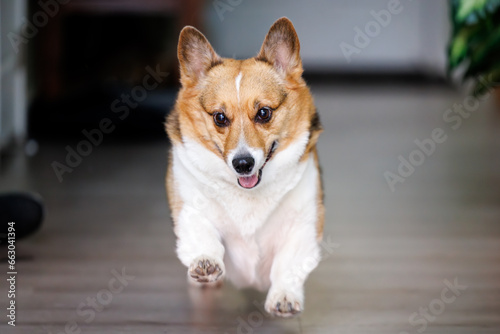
475,41
461,45
486,54
468,8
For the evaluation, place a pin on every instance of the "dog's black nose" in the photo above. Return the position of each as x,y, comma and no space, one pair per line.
243,165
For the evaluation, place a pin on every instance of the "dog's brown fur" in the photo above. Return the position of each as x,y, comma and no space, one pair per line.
273,79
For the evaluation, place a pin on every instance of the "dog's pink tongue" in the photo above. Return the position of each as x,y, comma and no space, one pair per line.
248,181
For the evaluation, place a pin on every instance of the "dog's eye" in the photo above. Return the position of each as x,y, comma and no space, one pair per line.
220,119
263,115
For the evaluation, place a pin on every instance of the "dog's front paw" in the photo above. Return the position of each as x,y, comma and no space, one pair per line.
205,270
283,304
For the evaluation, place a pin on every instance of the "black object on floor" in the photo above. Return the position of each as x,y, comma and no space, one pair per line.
25,210
85,110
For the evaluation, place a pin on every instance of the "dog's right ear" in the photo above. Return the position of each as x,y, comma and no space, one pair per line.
281,48
196,55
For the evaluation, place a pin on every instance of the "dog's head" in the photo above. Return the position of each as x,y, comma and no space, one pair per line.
246,112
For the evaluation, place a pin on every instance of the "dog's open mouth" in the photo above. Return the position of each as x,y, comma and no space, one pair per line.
249,182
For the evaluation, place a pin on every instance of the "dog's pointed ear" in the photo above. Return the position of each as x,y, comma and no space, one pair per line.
281,48
196,55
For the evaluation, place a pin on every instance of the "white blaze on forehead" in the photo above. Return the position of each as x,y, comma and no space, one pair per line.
238,83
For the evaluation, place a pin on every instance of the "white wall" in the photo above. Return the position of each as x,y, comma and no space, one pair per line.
415,39
13,74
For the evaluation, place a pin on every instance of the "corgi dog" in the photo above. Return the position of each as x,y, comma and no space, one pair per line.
243,180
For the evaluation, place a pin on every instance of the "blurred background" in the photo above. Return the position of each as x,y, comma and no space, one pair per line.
85,88
64,63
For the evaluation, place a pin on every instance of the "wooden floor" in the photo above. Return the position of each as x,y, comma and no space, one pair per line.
389,256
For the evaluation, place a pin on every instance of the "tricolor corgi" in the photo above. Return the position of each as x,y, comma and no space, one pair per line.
243,179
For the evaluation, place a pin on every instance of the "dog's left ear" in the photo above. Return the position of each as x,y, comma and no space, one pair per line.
281,48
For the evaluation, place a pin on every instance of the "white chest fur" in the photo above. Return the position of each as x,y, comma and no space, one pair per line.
246,220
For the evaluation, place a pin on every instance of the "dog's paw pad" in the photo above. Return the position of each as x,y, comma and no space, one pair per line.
284,306
205,270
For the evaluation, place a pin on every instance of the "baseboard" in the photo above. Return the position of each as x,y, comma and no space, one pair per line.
374,77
